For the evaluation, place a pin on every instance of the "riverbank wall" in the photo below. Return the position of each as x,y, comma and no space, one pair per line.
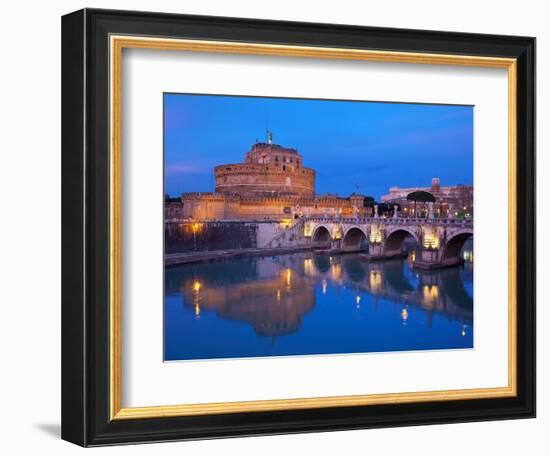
177,259
194,237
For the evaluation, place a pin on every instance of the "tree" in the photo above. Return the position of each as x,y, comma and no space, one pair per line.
368,201
420,196
384,208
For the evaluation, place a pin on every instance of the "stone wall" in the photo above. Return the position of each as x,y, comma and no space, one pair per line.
255,179
202,237
266,232
215,206
173,210
208,236
206,206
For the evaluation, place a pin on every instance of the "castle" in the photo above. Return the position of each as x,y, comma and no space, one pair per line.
271,184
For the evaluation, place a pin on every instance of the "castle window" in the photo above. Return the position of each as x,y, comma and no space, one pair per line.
284,168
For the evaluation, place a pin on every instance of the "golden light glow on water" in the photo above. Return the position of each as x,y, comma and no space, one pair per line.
288,277
430,294
197,297
336,271
308,267
369,293
375,281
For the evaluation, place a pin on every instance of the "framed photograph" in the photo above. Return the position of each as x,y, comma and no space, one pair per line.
279,227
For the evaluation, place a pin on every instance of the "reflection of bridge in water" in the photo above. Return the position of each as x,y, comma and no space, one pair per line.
440,240
273,294
434,291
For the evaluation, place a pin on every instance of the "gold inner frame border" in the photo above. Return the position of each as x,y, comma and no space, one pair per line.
116,46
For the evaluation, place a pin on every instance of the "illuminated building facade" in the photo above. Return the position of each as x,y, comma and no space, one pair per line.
450,201
271,184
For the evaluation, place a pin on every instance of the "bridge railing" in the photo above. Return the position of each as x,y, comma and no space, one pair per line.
348,220
393,221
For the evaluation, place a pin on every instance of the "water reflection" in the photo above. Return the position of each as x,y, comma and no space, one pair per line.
313,303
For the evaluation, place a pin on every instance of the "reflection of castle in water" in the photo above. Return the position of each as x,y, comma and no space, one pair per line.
269,295
274,294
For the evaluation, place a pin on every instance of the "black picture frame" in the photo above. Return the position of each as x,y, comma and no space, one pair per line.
85,227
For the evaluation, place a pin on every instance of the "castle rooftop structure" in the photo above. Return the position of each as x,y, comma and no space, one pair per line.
268,170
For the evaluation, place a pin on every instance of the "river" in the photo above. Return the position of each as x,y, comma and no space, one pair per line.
309,303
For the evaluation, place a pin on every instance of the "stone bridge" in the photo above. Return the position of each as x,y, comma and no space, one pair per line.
440,240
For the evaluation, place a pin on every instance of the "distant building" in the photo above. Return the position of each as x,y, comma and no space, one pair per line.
271,184
451,201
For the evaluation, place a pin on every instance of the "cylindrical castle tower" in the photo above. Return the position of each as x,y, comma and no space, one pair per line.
268,170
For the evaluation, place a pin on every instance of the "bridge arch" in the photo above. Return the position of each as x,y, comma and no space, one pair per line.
321,235
454,244
394,239
354,239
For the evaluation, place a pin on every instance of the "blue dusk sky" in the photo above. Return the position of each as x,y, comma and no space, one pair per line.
361,147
